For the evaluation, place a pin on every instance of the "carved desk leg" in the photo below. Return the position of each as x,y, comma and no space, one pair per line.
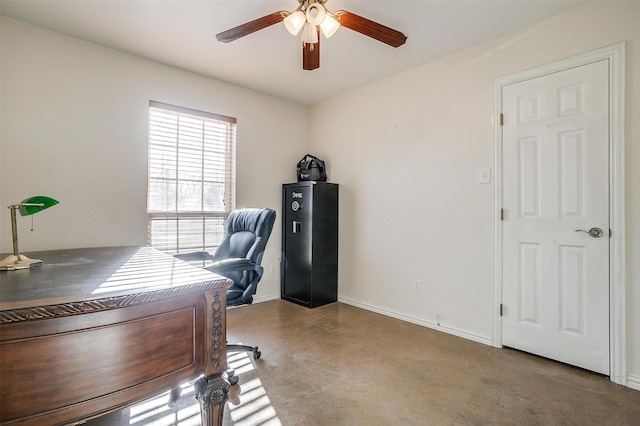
212,389
211,394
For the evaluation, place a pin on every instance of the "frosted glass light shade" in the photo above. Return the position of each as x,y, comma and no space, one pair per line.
315,14
294,22
310,33
329,26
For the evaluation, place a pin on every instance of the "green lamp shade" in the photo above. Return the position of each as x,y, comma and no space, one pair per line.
36,204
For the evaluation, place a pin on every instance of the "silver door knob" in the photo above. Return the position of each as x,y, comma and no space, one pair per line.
593,232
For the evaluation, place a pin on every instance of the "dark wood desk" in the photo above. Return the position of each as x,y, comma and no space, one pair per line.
96,330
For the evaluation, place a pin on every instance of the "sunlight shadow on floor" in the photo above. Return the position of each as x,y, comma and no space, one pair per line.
248,405
159,412
252,406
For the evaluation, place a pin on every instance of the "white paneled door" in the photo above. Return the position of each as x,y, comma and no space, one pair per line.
556,216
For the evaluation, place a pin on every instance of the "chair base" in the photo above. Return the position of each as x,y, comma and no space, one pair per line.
231,377
244,348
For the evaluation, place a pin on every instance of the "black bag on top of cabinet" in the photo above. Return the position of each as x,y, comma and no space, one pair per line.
311,168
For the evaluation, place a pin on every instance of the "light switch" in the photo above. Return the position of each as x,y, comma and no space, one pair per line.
485,176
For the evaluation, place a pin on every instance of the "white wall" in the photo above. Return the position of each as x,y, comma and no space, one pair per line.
408,152
74,127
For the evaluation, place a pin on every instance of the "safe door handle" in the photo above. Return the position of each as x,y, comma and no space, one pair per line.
593,232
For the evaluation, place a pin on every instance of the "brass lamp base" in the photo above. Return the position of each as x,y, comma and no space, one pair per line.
13,262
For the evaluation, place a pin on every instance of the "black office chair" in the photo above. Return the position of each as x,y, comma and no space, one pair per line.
239,258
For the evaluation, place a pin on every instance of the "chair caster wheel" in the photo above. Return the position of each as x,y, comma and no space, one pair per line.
256,354
174,395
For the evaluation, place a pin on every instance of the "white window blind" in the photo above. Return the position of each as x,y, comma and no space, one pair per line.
191,188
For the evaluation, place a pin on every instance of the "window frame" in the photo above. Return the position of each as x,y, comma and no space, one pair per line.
181,216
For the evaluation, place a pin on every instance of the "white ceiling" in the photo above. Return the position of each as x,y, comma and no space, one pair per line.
181,33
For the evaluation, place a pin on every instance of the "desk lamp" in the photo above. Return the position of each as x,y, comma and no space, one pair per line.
27,207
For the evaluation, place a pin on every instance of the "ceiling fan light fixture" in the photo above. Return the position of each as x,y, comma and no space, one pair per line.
316,14
311,17
329,26
310,34
294,22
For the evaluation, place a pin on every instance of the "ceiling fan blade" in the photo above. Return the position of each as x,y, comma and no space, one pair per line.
251,27
369,28
311,56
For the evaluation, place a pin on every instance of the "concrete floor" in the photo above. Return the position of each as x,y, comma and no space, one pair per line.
340,365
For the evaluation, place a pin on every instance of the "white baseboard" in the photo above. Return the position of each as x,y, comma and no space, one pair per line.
266,298
633,381
429,323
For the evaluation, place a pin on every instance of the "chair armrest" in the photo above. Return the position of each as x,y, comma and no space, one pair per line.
234,265
194,255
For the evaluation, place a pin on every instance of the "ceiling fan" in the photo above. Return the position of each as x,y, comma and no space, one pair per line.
311,17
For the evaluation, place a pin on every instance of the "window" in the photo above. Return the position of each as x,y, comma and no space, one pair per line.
191,188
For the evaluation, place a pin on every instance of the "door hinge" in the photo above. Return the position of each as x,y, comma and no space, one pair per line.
501,309
501,119
501,214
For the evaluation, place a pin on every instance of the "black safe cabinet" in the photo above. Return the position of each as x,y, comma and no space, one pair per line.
309,265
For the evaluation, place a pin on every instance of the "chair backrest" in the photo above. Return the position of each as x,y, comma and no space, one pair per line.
246,236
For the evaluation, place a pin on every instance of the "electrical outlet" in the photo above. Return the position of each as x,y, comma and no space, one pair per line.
417,285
